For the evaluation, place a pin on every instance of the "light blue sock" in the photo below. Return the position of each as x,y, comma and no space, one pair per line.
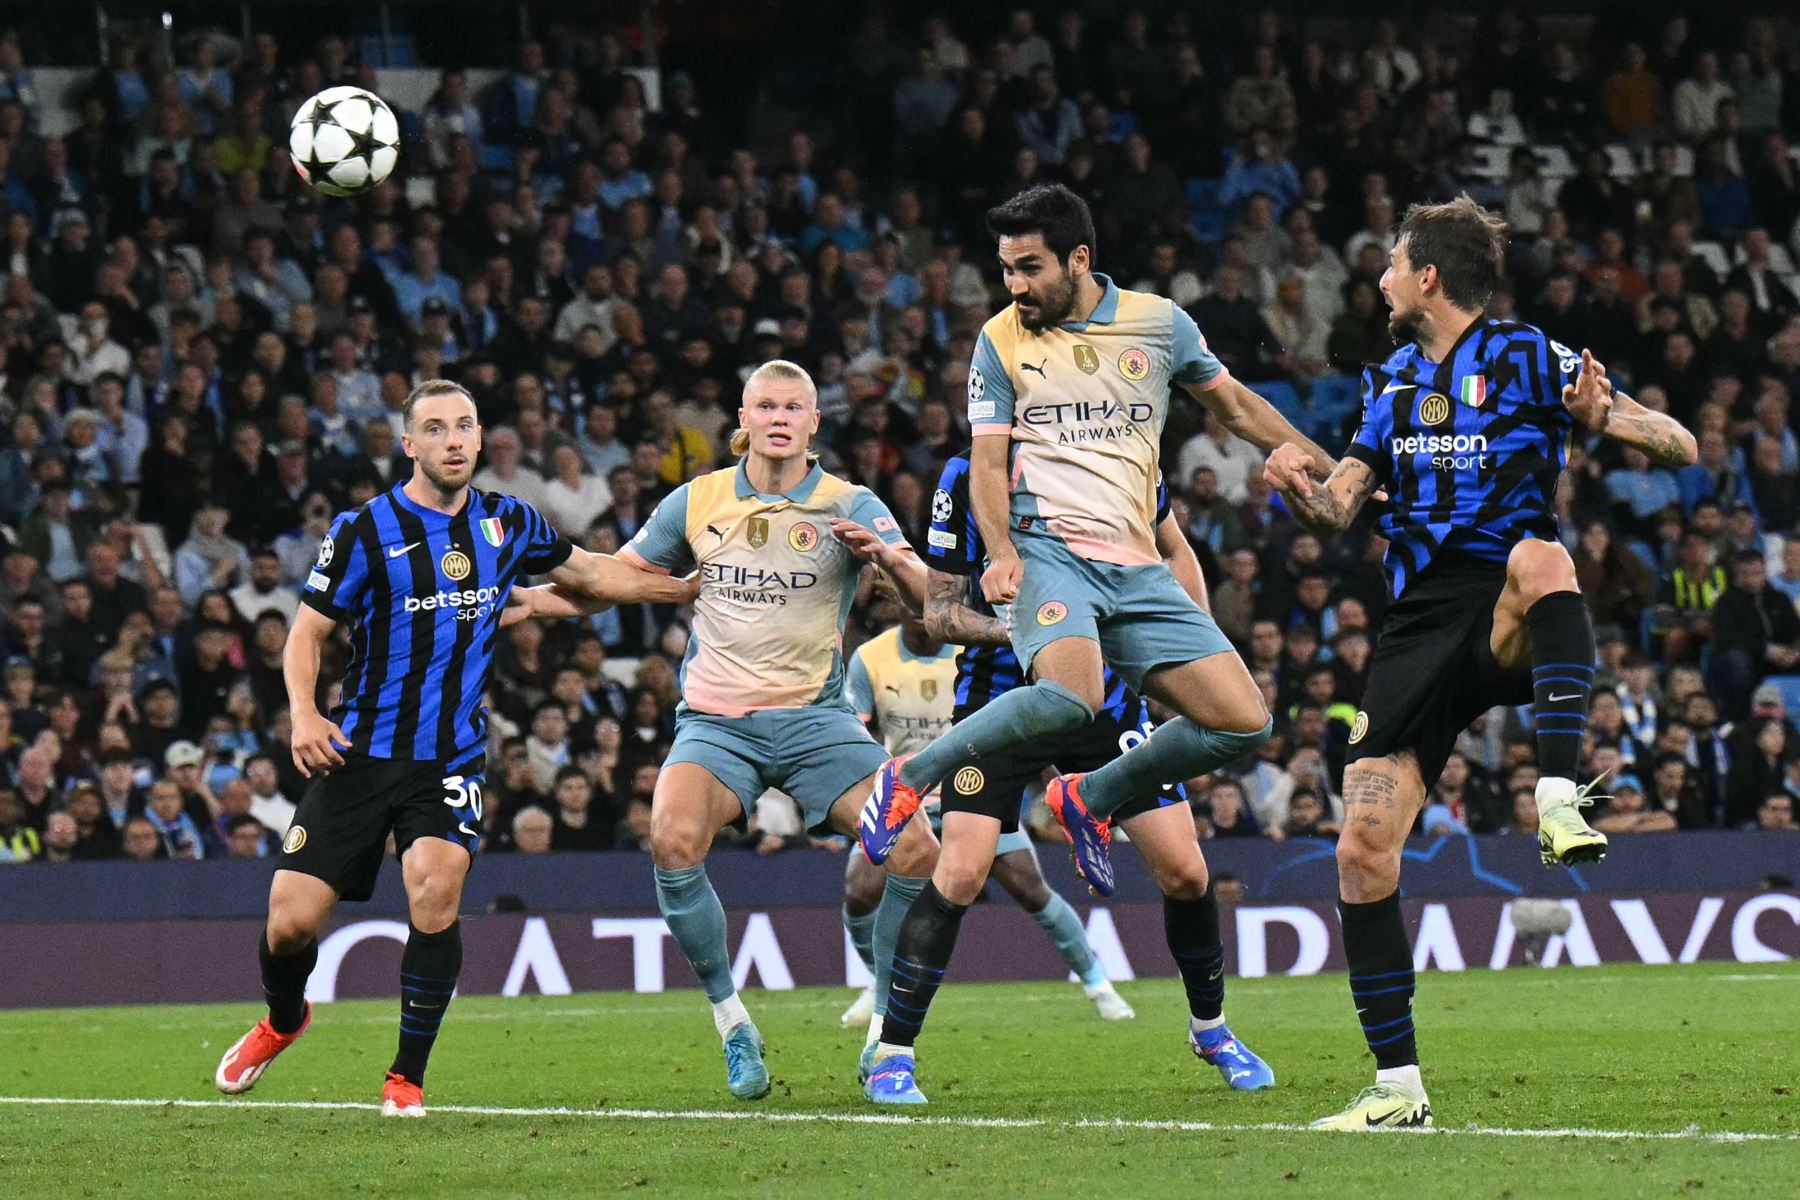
1059,920
697,921
1015,718
1178,750
897,897
862,935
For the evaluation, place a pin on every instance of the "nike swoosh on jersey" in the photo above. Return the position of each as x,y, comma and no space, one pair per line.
402,550
1394,387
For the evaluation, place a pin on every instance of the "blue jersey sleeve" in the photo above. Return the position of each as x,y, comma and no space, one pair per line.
662,541
545,549
340,577
1162,500
953,546
868,511
1191,361
1561,366
990,389
1370,446
859,689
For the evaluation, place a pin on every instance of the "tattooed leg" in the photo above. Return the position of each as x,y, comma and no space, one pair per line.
1382,799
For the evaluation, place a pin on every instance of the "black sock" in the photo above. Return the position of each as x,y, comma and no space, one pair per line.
1562,675
284,982
1192,927
1381,978
922,952
428,970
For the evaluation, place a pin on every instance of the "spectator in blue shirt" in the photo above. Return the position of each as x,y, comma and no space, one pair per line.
619,179
830,225
1639,491
424,281
1259,167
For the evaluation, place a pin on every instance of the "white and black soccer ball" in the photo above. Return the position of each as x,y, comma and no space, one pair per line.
344,141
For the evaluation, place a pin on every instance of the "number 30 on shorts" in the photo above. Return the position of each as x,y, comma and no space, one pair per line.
463,792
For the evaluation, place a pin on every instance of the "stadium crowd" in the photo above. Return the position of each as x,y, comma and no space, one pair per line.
203,361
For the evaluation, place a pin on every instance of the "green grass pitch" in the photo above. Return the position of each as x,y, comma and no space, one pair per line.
1031,1095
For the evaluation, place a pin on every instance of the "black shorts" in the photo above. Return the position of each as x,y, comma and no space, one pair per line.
341,824
1434,669
994,786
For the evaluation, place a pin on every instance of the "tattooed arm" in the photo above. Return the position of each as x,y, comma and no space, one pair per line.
948,617
1592,401
1658,435
1323,508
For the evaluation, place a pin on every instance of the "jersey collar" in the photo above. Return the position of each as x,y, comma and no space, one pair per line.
906,655
398,492
1105,312
801,493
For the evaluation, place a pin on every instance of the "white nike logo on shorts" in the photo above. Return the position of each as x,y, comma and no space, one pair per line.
1560,699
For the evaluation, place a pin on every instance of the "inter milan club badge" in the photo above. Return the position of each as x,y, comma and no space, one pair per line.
1434,408
455,565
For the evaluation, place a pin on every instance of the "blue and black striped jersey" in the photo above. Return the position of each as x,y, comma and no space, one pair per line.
1468,449
423,591
954,547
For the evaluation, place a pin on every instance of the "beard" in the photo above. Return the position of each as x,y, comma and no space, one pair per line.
1052,308
1405,327
448,479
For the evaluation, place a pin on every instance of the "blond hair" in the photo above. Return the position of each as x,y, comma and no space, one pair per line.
775,368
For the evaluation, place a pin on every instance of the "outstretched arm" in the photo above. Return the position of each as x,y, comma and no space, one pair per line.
896,559
1593,402
1325,508
1257,421
623,578
948,618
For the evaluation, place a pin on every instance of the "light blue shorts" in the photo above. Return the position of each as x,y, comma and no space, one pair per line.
1139,615
1016,839
814,755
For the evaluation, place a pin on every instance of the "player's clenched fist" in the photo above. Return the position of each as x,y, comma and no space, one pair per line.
1000,582
1289,470
316,742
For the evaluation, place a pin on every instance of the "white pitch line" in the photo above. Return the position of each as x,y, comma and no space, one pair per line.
1693,1133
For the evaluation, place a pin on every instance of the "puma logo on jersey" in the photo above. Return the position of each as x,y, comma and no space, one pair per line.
1039,368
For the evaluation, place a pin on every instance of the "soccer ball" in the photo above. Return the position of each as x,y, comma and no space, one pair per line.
344,141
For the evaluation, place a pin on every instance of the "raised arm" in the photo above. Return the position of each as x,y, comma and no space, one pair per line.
948,617
1257,421
1658,435
1599,407
1324,508
1592,400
